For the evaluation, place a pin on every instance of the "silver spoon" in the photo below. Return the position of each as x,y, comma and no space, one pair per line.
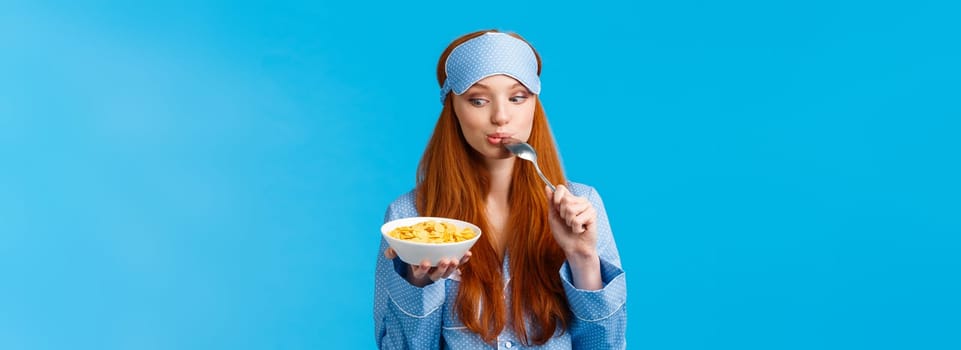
524,151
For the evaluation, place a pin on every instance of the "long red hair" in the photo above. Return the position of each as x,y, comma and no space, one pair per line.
452,181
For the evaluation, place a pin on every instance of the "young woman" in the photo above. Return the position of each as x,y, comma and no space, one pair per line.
545,272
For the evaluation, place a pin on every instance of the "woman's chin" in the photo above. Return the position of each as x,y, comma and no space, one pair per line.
499,153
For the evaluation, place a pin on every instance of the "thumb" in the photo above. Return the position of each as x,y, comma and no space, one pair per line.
551,211
389,253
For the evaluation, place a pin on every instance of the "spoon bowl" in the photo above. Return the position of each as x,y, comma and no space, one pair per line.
523,150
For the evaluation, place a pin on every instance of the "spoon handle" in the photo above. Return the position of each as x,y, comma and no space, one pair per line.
549,184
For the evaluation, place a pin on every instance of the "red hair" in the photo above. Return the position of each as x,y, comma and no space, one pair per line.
452,181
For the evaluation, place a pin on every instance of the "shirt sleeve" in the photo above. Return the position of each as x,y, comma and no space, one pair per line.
405,316
600,316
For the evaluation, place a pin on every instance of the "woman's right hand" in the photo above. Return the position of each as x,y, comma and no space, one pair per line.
424,274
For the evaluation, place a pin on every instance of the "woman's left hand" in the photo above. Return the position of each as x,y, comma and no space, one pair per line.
573,221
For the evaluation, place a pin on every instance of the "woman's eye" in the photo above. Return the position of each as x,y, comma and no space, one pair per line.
478,102
518,98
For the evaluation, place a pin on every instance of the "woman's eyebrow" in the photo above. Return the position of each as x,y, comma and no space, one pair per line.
479,86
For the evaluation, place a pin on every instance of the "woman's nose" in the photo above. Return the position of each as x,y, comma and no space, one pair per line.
500,114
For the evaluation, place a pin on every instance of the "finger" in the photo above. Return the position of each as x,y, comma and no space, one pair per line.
442,266
591,224
451,267
559,193
421,270
569,210
590,218
576,226
465,258
573,209
551,210
417,271
558,205
579,224
571,199
389,253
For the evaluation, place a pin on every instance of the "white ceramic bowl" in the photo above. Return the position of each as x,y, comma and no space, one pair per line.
415,252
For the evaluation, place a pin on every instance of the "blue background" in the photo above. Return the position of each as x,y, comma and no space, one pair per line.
213,175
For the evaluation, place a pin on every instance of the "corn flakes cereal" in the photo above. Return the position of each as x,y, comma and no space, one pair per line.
432,232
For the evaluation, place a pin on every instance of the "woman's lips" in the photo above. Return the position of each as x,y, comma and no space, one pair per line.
495,139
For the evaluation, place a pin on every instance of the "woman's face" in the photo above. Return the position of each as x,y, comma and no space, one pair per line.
494,108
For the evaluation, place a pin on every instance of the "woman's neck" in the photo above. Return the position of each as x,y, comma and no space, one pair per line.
498,209
501,172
